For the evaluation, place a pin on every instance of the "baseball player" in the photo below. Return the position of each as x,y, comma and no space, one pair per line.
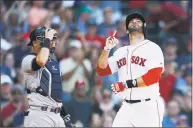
139,68
43,82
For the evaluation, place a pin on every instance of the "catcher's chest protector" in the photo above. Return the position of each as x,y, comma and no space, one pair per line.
51,81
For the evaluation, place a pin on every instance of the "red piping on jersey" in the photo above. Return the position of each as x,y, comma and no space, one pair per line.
104,72
152,76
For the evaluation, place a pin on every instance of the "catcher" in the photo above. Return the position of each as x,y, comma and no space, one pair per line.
43,82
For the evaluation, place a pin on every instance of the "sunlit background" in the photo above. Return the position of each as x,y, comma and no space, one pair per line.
83,27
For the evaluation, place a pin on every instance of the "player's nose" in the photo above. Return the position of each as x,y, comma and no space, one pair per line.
134,21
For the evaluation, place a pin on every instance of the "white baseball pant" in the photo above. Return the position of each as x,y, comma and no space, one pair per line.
39,118
141,114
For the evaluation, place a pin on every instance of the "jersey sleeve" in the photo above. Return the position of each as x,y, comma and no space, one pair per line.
26,64
112,61
155,58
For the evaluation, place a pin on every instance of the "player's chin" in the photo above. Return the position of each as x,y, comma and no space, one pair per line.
138,30
132,30
52,49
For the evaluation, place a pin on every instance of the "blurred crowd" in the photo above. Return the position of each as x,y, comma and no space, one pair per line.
83,27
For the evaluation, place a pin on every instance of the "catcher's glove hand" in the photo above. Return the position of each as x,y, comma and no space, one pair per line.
68,122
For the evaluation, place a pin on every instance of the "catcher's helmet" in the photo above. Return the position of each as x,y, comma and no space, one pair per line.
135,15
37,34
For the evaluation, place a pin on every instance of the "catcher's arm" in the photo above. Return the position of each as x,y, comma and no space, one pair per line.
43,55
66,117
33,63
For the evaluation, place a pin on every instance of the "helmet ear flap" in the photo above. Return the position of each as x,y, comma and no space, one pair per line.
144,27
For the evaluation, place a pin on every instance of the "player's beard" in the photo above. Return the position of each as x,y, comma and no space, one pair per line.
134,29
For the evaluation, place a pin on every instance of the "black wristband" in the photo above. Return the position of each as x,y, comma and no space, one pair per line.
46,43
131,83
66,118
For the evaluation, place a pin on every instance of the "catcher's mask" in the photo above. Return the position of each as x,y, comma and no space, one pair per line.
37,34
135,15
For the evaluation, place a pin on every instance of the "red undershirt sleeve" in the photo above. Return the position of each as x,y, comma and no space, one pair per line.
155,66
152,76
111,68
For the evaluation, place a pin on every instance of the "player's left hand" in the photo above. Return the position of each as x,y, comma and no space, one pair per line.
118,87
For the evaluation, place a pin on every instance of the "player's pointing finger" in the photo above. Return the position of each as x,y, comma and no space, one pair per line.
114,33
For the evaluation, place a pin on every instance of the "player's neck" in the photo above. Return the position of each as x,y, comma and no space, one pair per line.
36,50
136,38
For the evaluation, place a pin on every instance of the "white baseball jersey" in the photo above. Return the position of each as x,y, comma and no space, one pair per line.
132,62
32,81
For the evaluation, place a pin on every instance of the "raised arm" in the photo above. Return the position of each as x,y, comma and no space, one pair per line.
107,66
43,55
32,62
110,43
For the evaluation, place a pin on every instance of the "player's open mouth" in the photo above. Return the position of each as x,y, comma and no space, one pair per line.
134,25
